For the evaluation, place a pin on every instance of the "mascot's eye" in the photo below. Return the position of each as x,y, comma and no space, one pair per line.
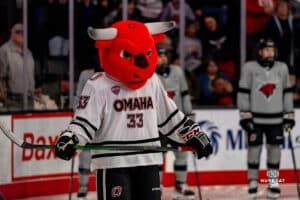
149,53
125,54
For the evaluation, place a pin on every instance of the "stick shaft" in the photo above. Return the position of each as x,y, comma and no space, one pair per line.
294,161
197,178
23,144
71,179
89,147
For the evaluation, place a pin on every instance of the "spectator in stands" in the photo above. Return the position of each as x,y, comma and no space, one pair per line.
217,8
38,32
295,6
192,46
280,29
87,14
42,101
58,28
222,92
150,9
171,12
258,13
216,44
116,15
104,8
64,93
205,79
12,70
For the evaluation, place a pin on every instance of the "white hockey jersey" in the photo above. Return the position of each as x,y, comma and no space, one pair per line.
108,113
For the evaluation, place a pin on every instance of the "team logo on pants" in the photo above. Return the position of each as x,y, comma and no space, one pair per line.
252,137
116,191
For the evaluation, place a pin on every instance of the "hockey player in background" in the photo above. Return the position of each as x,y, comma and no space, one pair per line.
85,156
266,108
174,82
127,105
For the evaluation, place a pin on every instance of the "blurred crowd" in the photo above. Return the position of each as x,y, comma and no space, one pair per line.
211,44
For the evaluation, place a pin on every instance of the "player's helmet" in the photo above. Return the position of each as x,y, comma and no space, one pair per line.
161,50
264,43
269,60
163,68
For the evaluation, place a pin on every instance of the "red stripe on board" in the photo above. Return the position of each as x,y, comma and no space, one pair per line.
32,178
42,188
42,115
60,185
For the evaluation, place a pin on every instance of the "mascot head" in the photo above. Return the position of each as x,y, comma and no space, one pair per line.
127,49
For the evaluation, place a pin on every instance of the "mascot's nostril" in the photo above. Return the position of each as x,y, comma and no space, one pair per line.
141,61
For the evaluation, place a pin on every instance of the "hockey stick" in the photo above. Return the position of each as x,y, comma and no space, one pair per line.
197,177
23,144
71,179
294,160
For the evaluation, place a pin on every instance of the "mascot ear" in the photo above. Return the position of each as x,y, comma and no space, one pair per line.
159,38
104,44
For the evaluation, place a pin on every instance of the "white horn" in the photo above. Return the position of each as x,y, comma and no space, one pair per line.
102,34
160,27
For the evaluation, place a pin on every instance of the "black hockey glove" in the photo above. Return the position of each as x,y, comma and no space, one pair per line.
65,146
194,137
247,125
288,121
246,122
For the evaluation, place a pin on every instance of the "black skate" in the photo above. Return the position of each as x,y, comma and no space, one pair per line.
82,193
252,188
273,192
182,192
273,189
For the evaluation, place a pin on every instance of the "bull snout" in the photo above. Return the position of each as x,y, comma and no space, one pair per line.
141,61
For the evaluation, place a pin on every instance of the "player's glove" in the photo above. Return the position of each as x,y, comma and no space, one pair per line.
65,146
246,122
196,138
288,121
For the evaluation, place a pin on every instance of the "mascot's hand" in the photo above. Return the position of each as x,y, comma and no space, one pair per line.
65,146
196,138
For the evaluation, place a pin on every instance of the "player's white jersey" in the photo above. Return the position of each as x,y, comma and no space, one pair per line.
108,113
